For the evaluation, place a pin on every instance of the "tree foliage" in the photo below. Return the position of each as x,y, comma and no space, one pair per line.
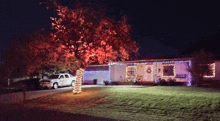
85,35
200,66
80,36
89,36
30,55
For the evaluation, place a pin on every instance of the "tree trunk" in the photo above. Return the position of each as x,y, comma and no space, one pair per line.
78,82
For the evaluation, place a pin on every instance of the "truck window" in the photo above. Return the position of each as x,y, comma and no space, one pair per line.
61,77
66,76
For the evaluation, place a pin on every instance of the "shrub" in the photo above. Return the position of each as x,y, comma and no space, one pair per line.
162,82
106,82
126,83
171,82
114,83
122,83
211,83
144,83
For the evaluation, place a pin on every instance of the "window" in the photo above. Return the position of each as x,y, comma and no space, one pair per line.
131,71
168,70
61,77
212,71
66,76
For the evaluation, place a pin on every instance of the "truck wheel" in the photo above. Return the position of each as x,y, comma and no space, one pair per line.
55,85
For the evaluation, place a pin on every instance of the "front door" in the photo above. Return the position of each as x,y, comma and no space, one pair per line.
148,73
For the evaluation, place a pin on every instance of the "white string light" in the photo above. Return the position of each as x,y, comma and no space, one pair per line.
78,82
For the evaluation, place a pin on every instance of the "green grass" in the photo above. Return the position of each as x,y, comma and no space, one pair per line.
159,103
137,103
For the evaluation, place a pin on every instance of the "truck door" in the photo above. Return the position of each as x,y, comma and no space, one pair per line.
67,80
61,80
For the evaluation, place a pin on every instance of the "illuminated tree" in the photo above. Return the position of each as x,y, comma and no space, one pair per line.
18,58
85,36
45,57
15,59
30,55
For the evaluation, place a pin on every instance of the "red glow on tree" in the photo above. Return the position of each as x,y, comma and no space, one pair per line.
86,36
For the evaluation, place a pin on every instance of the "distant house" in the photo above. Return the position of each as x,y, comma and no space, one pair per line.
146,71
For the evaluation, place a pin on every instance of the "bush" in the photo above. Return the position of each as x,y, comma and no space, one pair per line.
211,83
126,83
171,82
114,83
151,83
162,82
106,82
122,83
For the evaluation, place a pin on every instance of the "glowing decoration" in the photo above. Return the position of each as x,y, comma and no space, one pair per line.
189,76
78,82
133,72
148,76
155,69
87,37
155,73
110,72
213,71
149,70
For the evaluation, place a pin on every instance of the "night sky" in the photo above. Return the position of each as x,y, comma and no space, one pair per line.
162,28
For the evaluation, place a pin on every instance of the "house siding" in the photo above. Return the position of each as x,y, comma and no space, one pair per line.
100,73
145,70
118,73
217,70
150,71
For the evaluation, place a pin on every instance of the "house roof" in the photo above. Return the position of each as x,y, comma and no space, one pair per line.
154,60
97,68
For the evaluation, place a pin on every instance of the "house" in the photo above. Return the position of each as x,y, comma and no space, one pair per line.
96,74
147,71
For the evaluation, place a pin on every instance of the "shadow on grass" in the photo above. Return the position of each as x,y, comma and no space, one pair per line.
18,112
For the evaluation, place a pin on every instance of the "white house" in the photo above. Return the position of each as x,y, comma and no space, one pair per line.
147,71
96,72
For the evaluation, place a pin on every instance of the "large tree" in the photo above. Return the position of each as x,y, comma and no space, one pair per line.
46,57
16,58
85,35
30,55
200,66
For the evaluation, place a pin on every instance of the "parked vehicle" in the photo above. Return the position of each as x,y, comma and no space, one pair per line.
58,80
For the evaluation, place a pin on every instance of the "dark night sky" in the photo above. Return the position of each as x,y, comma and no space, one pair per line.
162,28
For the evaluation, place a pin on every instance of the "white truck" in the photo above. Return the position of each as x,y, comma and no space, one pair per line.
58,80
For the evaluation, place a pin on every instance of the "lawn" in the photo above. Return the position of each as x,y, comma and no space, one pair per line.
129,103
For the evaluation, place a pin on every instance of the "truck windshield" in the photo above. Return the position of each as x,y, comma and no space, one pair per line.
53,76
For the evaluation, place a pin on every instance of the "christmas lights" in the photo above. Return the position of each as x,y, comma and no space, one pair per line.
77,87
213,71
155,74
189,75
155,80
134,76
